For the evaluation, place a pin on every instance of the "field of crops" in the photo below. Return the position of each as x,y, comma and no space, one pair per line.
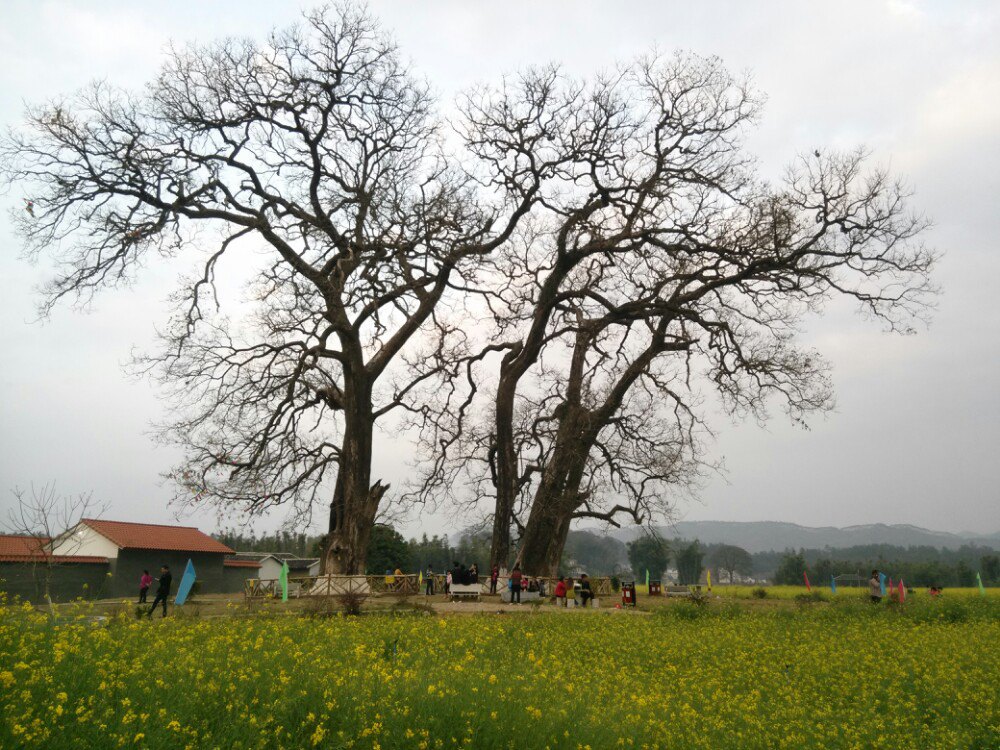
824,675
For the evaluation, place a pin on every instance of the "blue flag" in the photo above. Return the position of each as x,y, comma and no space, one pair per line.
833,584
881,582
187,581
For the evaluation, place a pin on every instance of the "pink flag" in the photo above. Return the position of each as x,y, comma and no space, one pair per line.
806,576
902,591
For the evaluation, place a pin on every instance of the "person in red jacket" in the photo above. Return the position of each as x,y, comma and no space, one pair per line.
560,591
494,575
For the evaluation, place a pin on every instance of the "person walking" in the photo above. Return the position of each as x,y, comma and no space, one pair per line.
494,575
515,585
447,583
875,587
429,582
162,591
145,581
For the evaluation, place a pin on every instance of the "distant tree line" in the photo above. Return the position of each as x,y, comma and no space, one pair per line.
602,555
929,567
297,543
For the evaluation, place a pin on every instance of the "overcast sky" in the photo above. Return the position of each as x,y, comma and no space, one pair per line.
915,437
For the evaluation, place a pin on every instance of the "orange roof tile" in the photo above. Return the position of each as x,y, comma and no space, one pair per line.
19,544
156,536
240,564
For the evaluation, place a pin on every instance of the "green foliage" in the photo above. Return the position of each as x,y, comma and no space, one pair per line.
990,567
759,593
650,553
789,572
387,550
689,563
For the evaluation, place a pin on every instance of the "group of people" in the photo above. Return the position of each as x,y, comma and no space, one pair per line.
565,588
162,590
517,583
875,588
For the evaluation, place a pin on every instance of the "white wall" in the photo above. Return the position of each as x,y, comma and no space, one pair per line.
269,568
83,541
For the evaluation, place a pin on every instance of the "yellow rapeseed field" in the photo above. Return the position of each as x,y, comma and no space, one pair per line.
826,675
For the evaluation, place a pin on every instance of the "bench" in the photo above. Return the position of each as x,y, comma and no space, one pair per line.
465,591
677,591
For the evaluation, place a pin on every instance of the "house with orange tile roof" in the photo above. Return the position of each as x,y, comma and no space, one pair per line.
122,551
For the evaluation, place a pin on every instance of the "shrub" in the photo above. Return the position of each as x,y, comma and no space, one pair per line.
759,593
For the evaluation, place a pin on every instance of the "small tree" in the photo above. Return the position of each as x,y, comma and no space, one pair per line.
689,563
44,516
990,565
648,553
387,550
732,560
791,568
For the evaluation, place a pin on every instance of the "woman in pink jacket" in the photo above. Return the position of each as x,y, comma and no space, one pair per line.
145,581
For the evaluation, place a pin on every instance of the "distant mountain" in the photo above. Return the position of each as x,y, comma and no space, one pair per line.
762,536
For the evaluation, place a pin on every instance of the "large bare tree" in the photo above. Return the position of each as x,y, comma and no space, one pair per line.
658,260
311,166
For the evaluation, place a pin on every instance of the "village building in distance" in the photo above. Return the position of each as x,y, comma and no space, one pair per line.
104,559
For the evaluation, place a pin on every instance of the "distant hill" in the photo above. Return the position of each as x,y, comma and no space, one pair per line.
763,536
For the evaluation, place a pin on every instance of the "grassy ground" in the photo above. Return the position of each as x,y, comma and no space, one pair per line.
729,673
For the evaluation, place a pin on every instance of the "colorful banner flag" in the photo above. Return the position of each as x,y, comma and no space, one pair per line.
187,581
806,577
647,578
420,578
833,584
979,580
283,580
709,574
902,591
881,582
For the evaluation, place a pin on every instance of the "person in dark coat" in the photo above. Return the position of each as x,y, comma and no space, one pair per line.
163,591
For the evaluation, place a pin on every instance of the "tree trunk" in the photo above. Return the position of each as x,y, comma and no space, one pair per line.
545,539
506,472
558,495
355,499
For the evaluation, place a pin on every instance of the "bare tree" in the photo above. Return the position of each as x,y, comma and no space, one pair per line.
732,559
43,516
659,260
312,166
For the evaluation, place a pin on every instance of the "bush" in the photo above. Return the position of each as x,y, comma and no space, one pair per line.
810,597
759,593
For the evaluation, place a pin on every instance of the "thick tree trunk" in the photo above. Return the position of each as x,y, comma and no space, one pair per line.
558,496
355,499
545,539
505,461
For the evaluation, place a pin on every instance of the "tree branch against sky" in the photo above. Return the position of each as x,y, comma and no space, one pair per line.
316,162
659,262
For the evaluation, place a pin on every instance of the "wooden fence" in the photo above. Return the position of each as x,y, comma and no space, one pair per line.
384,585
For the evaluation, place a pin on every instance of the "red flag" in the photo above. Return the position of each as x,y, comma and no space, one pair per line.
806,576
902,591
